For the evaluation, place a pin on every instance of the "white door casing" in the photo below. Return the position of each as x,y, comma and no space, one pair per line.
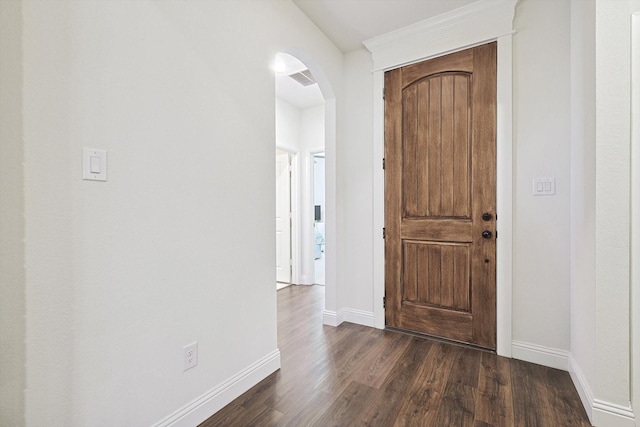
283,218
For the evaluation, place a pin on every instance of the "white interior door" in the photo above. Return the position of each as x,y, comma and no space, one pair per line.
283,218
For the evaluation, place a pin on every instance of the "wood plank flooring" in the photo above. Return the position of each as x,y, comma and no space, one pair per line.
358,376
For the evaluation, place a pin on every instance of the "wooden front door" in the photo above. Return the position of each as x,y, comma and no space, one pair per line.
440,196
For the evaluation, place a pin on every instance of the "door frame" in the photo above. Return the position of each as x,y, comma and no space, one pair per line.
291,205
295,213
312,153
454,31
635,211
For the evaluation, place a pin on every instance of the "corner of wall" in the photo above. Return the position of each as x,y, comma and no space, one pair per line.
600,413
541,355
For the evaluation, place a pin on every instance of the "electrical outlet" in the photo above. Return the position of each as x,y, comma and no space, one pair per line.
190,356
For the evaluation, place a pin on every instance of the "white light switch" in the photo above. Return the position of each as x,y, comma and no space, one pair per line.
94,164
544,186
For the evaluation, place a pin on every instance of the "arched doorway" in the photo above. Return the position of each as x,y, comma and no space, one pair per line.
305,126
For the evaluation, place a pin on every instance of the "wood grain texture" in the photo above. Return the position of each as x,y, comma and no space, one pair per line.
436,274
440,139
435,145
358,376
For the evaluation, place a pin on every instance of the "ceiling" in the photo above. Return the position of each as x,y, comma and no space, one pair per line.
347,23
291,91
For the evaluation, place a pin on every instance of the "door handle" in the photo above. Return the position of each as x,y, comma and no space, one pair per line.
487,234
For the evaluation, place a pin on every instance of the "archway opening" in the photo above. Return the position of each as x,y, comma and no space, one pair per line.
300,132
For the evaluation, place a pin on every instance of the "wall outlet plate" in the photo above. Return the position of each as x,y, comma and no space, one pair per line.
190,358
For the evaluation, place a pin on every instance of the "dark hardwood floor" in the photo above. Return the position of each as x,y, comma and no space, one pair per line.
358,376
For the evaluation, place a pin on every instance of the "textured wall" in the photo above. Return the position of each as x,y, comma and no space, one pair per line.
12,277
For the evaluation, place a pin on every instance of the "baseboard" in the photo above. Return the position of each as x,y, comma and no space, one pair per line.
332,318
217,398
305,281
359,317
541,355
582,386
351,315
601,413
607,414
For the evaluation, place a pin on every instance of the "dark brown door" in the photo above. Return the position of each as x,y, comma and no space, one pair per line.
440,196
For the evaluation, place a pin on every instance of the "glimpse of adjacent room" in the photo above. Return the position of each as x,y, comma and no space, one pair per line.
319,214
300,175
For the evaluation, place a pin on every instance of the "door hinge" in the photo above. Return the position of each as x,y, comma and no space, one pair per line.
496,234
384,302
384,92
383,164
384,233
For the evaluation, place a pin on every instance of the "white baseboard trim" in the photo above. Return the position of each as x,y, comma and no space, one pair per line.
601,413
359,317
607,414
541,355
351,315
332,318
582,386
305,281
217,398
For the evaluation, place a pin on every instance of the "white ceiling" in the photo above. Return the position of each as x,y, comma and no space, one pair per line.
291,91
348,23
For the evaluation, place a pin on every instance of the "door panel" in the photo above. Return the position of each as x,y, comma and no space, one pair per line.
440,178
436,147
436,274
283,222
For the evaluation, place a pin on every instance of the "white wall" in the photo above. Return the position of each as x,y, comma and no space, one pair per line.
612,147
312,130
635,211
121,275
355,192
318,185
12,276
601,338
287,126
541,54
583,195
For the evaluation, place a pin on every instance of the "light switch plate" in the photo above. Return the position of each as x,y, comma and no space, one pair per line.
94,164
544,186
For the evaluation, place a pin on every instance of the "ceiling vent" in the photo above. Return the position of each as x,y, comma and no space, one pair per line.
304,77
